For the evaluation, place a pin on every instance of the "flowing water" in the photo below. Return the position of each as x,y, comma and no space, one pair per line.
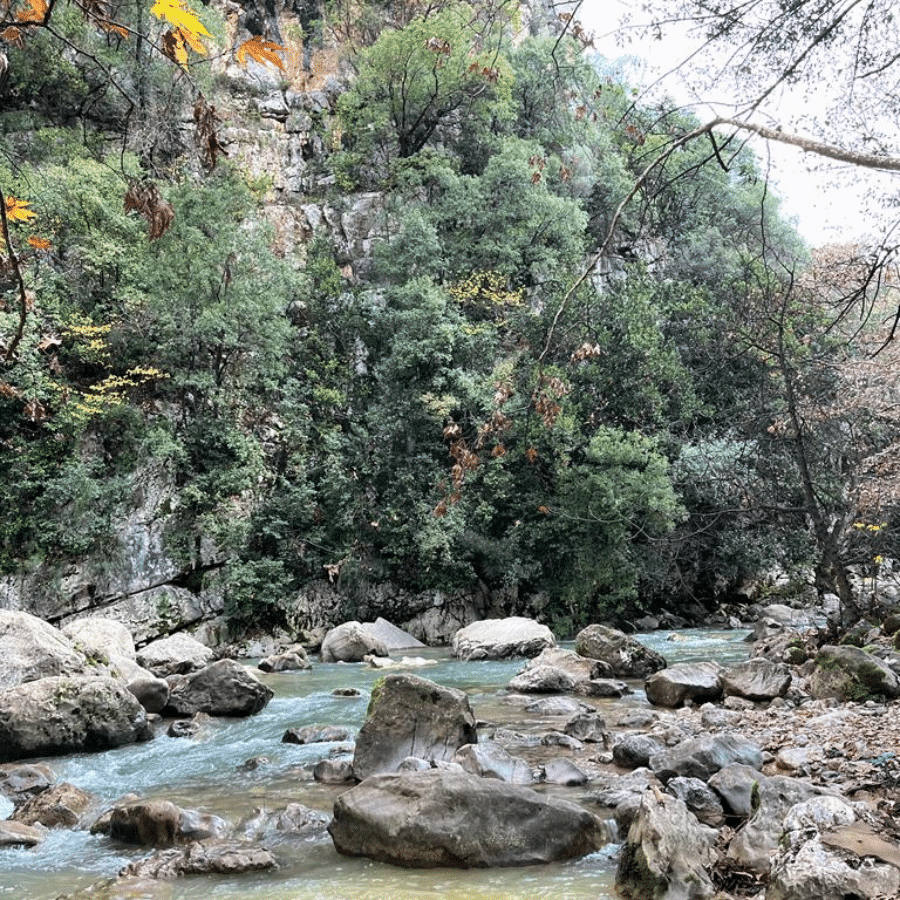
205,772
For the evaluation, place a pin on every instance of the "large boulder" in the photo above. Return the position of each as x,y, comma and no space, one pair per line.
695,682
177,654
59,715
502,638
756,679
293,659
702,757
557,671
412,716
390,636
443,817
849,673
625,656
32,649
224,688
667,853
351,642
490,760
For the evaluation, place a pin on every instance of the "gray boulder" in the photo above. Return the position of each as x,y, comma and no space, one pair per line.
703,756
202,858
32,649
756,679
295,819
351,642
563,771
490,760
849,673
502,638
15,834
392,637
446,817
633,751
224,688
623,794
337,770
21,781
625,656
317,734
695,682
542,679
293,659
737,785
588,727
412,716
177,654
107,645
159,823
59,715
699,798
151,692
667,853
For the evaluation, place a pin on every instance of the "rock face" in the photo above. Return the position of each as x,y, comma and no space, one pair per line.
225,688
502,638
697,682
666,854
848,673
61,715
756,679
626,657
32,649
174,655
451,818
351,642
412,716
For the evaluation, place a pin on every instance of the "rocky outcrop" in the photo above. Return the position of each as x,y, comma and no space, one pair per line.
32,649
694,682
502,638
224,688
59,715
351,642
625,656
451,818
412,716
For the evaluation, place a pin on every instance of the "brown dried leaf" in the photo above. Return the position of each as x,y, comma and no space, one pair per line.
144,198
207,137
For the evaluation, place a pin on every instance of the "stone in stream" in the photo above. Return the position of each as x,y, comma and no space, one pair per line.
159,823
442,817
16,834
316,734
60,806
20,781
202,858
412,716
291,660
68,714
490,760
695,682
625,656
351,642
224,688
502,638
756,679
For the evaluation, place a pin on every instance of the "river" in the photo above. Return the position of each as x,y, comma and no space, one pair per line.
205,772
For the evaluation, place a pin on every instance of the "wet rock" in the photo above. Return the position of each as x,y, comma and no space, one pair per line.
756,679
21,781
602,687
502,638
700,799
563,771
334,771
412,716
625,656
316,734
16,834
295,819
392,637
848,673
736,785
542,680
68,714
224,688
350,642
347,692
490,760
159,823
31,649
293,659
703,756
694,682
60,806
451,818
557,706
589,727
666,854
203,858
151,692
633,751
178,654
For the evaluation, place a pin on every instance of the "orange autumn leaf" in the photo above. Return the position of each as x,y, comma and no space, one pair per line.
262,51
36,11
39,243
17,210
11,34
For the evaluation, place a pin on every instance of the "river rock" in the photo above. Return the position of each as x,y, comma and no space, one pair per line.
542,680
756,679
32,649
736,785
21,781
502,638
317,734
16,834
60,806
293,659
849,673
666,854
68,714
633,751
224,688
695,682
295,819
107,645
151,692
337,770
625,656
589,727
177,654
701,757
699,798
450,818
159,823
412,716
563,771
350,642
392,637
490,760
203,858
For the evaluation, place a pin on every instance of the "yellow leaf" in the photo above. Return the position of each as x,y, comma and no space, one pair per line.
36,12
191,39
173,47
17,210
262,51
177,14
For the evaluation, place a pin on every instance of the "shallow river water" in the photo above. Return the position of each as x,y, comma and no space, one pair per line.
204,772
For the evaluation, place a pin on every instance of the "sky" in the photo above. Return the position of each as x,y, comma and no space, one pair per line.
825,199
